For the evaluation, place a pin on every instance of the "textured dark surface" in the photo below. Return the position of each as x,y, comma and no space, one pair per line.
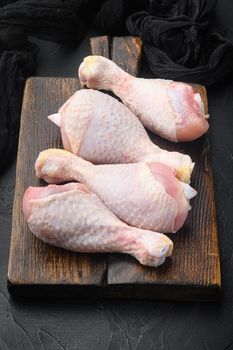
129,325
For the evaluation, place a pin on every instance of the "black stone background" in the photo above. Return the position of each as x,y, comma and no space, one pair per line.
128,325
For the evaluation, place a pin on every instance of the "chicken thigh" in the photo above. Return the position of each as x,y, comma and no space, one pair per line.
74,218
144,195
170,109
98,128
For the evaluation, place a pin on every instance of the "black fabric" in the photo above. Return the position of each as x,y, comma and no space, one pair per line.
15,66
55,20
112,15
178,42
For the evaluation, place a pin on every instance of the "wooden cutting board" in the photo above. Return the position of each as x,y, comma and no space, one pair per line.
37,269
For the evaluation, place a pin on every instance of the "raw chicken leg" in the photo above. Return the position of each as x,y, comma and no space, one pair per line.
170,109
72,217
100,129
144,195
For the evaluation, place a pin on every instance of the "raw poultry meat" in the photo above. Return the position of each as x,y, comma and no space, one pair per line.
144,195
72,217
170,109
98,128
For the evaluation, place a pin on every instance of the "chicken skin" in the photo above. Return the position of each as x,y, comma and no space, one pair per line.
168,108
144,195
72,217
98,128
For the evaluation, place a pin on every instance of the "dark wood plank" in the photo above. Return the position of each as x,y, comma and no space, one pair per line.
193,272
126,53
31,261
100,46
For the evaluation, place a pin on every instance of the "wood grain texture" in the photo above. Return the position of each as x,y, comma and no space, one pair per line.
32,261
100,46
192,273
126,52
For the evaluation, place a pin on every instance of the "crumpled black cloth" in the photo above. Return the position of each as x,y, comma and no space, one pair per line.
182,50
112,15
55,20
15,66
179,43
178,40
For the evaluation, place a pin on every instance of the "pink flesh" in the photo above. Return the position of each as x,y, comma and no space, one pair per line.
194,123
164,175
43,192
